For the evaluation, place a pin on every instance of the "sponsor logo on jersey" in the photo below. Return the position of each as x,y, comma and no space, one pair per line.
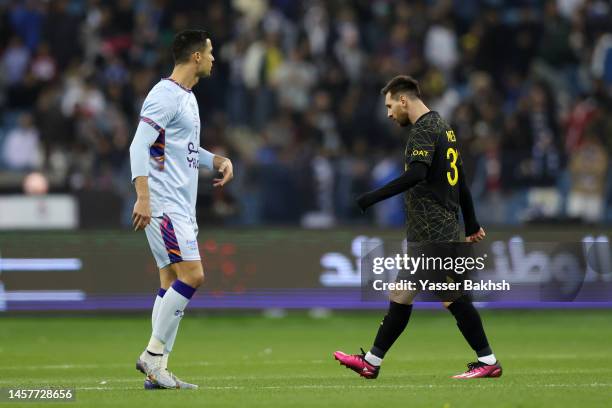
192,244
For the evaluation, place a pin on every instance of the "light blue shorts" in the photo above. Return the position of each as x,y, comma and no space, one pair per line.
173,238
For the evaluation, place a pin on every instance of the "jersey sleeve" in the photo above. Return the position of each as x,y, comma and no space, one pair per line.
140,150
158,109
467,205
149,141
396,186
422,146
206,158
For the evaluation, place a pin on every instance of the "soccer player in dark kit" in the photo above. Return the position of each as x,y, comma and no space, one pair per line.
435,189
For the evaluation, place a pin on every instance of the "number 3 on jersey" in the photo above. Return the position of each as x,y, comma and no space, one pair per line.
452,177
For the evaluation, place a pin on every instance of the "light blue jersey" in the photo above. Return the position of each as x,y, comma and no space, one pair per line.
166,148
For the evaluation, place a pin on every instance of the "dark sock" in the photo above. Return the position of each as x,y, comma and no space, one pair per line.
391,328
470,325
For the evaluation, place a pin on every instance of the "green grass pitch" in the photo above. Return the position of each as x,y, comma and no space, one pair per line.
550,359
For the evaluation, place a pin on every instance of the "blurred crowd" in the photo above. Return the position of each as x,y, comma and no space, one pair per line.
295,101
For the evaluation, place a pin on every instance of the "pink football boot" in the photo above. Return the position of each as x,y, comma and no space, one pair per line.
358,364
481,370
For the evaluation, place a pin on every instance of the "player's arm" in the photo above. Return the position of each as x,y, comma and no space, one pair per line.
473,231
139,163
157,111
214,162
415,173
141,216
422,148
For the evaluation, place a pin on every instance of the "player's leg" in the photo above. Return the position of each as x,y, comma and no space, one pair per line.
180,272
393,324
190,275
166,278
173,242
470,325
151,363
180,245
169,345
391,327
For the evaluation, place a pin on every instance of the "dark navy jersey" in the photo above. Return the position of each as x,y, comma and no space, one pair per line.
432,206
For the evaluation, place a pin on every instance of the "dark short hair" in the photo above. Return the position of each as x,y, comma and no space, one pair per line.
402,83
186,43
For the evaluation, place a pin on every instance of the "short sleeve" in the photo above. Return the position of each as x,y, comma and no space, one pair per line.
158,109
422,146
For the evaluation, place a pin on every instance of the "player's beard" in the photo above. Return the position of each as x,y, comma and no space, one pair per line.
204,73
403,120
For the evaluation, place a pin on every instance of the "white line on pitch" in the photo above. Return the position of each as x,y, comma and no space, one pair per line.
381,386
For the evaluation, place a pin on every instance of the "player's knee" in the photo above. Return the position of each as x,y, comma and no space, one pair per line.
197,278
191,273
194,276
401,297
463,299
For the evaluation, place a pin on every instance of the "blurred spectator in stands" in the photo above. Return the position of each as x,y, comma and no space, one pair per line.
43,66
441,46
295,93
237,103
294,80
555,48
601,64
26,18
588,167
15,61
261,61
61,31
391,211
21,149
348,52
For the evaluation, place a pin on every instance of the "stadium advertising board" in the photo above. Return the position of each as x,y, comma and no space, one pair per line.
292,268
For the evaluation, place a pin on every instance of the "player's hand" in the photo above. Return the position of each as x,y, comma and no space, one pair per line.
227,170
141,216
477,236
363,202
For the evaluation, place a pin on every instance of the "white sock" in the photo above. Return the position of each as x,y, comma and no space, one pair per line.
170,343
155,311
155,346
372,359
154,343
165,360
171,310
489,360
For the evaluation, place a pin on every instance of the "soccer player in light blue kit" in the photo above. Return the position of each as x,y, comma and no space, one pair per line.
165,156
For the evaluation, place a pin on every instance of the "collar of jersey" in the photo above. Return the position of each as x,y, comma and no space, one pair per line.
174,82
423,116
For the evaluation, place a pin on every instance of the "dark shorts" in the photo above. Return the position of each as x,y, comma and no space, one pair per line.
428,221
435,272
